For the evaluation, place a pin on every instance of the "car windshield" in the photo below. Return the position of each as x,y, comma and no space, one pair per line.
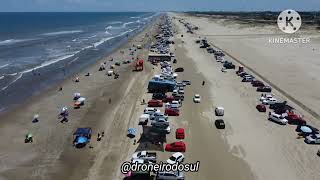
172,158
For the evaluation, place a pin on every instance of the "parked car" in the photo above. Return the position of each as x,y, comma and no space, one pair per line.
180,91
220,124
164,175
145,155
158,114
264,97
176,147
261,108
313,139
313,129
180,133
229,65
179,97
172,111
247,79
151,110
197,98
210,50
177,157
295,119
277,118
168,99
219,111
257,83
180,69
155,103
218,53
187,82
143,119
264,89
159,96
270,101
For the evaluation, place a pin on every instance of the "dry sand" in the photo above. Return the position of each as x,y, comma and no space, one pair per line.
51,155
271,151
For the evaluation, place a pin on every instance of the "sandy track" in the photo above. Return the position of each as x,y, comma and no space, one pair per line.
271,151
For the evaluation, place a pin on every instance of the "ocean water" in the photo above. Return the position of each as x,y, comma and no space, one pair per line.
56,45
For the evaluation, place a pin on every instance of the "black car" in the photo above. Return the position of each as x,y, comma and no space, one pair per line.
204,46
159,96
264,89
229,65
180,69
220,124
178,97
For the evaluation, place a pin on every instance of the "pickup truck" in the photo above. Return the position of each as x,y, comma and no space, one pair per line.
145,155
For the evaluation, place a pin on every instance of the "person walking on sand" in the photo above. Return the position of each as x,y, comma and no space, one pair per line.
203,82
109,100
99,137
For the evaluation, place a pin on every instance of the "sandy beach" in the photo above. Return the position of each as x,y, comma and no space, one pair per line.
250,148
271,151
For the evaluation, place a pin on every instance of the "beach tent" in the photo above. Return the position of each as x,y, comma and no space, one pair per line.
132,132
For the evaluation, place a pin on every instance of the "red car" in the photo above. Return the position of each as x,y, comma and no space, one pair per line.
261,108
176,147
168,99
257,83
155,103
171,112
180,133
295,119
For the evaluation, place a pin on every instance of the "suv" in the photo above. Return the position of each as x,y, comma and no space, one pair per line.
277,118
170,175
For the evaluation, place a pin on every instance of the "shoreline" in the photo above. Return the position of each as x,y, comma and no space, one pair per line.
29,84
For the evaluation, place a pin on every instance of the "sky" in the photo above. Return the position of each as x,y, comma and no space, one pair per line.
156,5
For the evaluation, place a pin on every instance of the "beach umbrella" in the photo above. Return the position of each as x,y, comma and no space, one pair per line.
306,129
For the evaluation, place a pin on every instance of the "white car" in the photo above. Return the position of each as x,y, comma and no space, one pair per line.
177,157
175,92
150,110
197,98
219,111
175,104
278,118
268,96
269,101
313,139
180,91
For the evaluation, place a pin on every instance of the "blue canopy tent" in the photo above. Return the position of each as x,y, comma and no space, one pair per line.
132,132
82,137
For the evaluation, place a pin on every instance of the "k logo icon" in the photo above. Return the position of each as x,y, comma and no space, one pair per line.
289,21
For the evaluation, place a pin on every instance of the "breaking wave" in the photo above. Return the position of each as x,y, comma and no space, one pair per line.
61,33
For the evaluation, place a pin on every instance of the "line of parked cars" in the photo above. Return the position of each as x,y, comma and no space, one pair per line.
171,99
281,112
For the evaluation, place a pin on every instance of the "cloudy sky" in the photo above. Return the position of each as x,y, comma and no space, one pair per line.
157,5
